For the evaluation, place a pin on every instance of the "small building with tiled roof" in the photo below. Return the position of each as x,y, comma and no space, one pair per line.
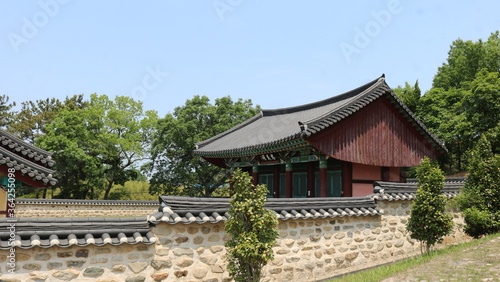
332,148
21,165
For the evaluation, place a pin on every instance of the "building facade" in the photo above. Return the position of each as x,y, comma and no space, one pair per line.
331,148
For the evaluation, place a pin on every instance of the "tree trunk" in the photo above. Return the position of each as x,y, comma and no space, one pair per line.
108,189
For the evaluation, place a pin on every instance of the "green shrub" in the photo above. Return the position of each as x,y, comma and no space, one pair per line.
480,197
480,222
428,221
253,229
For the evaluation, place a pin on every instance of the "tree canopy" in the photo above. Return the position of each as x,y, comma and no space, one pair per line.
6,115
466,59
410,95
99,145
31,121
174,168
464,101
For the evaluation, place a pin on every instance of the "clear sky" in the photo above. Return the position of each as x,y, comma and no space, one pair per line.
277,53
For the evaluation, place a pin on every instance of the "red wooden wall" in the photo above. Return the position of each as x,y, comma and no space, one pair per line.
375,135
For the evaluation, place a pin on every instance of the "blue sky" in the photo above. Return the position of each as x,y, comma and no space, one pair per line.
277,53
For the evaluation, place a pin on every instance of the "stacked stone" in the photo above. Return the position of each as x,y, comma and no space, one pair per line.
90,210
307,250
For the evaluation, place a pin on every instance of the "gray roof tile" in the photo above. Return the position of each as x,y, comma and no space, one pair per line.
85,202
273,127
66,232
393,191
29,151
187,210
26,158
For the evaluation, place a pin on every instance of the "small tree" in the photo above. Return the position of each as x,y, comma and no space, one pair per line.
428,221
253,229
480,197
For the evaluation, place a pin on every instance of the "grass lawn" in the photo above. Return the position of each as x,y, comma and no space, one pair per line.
478,260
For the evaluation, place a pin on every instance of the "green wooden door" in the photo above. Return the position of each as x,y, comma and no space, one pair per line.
267,179
334,180
334,183
299,185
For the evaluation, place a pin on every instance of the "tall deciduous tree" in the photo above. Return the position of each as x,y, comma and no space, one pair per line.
174,168
253,229
466,59
428,221
100,145
482,107
464,100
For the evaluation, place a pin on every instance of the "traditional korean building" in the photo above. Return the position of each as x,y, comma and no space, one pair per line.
331,148
23,165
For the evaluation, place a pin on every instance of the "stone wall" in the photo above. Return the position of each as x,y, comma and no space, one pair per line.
307,250
48,208
91,263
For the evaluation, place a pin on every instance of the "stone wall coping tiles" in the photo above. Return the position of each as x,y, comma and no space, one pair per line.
81,231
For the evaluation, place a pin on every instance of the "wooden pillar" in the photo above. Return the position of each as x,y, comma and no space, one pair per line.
385,173
402,175
310,180
231,182
255,174
346,179
323,178
276,180
289,180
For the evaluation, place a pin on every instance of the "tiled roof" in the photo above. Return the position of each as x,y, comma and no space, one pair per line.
287,126
67,232
85,202
188,210
392,191
26,158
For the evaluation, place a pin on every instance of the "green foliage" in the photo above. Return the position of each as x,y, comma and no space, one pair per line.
137,190
428,221
174,163
443,112
465,99
482,107
480,222
33,118
409,95
253,229
466,59
98,146
480,197
6,116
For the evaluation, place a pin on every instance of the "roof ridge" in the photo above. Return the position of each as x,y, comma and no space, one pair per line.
339,97
368,90
289,110
79,219
83,201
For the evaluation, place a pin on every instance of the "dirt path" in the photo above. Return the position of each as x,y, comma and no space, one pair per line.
478,263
